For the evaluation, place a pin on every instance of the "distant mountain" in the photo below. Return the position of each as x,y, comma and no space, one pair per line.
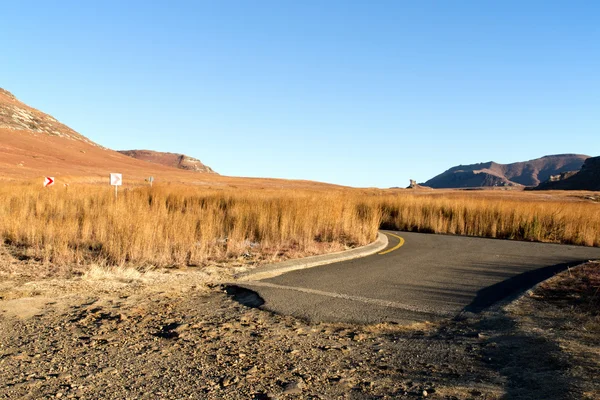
527,173
588,178
174,160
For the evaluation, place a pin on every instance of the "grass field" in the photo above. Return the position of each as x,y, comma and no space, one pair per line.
560,217
174,225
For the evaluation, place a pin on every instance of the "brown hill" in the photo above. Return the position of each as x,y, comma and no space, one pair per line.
527,173
34,144
173,160
588,178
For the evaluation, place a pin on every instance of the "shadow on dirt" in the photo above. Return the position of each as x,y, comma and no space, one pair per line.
534,367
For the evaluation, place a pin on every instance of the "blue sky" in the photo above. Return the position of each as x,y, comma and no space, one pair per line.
361,93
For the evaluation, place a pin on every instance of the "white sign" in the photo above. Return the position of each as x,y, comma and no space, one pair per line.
48,181
116,179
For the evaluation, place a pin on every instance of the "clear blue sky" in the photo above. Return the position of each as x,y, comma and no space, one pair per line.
361,93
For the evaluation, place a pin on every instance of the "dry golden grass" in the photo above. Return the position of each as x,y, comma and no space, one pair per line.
543,217
177,225
190,225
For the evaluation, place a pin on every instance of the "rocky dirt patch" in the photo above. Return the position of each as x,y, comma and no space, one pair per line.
169,337
209,346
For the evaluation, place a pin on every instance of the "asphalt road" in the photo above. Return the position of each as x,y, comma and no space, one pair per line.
428,278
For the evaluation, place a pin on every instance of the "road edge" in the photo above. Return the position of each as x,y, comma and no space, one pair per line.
528,292
515,298
273,270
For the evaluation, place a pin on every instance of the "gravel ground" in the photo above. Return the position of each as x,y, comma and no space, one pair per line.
174,337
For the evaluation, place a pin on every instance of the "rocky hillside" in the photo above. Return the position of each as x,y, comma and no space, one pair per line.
15,115
588,178
527,173
174,160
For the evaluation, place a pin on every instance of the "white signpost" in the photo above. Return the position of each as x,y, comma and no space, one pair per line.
116,180
151,179
48,181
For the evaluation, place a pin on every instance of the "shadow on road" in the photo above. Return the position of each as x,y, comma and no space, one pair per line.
492,294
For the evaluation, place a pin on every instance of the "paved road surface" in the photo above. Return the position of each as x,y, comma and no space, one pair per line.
429,277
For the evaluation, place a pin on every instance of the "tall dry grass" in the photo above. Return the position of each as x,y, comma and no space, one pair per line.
185,225
530,218
177,225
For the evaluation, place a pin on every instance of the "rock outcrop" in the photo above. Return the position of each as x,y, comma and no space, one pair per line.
15,115
588,178
415,185
174,160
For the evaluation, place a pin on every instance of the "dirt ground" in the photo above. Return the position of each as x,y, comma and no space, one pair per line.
122,334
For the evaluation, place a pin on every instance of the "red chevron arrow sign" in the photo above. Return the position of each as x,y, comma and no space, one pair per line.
48,181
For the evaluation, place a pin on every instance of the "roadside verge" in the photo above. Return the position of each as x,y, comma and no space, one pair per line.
272,270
